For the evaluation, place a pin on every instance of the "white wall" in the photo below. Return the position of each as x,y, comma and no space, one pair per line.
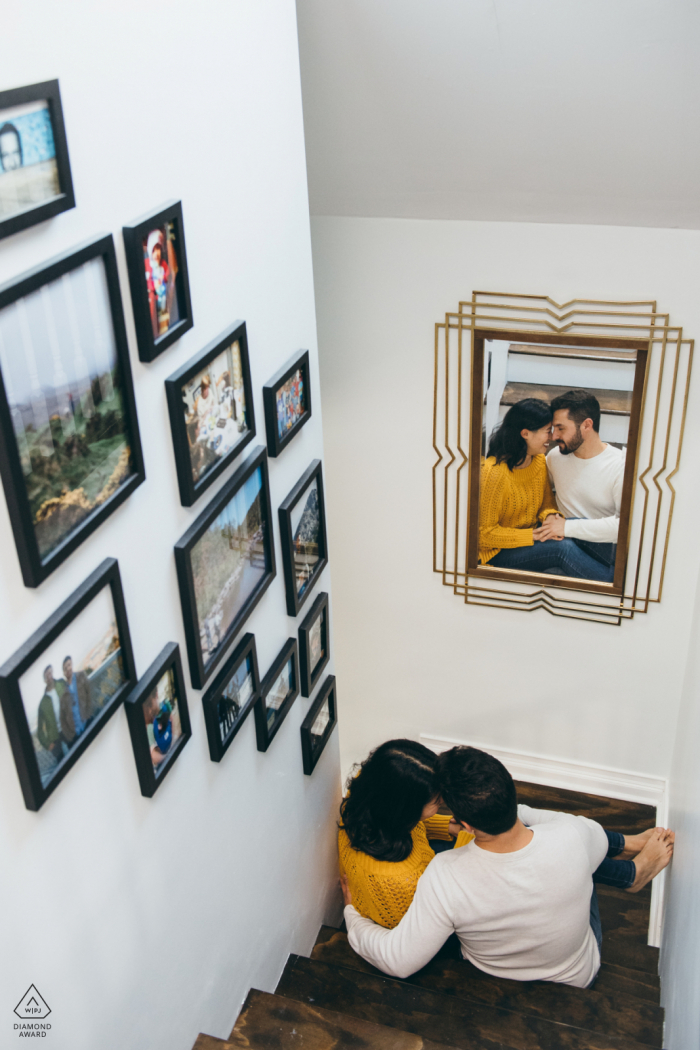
144,921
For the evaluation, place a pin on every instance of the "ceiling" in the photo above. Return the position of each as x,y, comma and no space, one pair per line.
574,111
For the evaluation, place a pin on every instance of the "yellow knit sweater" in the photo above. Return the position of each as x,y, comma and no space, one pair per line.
512,504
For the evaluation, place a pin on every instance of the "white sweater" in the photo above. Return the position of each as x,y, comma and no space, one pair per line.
522,915
590,489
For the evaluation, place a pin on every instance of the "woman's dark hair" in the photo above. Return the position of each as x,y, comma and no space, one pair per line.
507,443
478,789
386,798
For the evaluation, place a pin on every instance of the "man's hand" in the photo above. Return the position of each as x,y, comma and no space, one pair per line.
553,529
347,895
454,828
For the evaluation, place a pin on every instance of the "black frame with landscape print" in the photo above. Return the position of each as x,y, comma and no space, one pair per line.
263,732
310,751
199,671
310,675
167,660
245,650
191,490
294,600
36,568
106,575
149,345
275,443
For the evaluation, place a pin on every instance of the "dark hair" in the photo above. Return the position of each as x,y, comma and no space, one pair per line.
580,405
11,128
66,659
507,443
478,789
385,800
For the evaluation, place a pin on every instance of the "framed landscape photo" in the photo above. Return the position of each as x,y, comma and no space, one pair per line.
318,725
225,563
302,518
278,691
210,400
159,721
287,402
160,286
230,698
61,687
314,644
70,451
35,177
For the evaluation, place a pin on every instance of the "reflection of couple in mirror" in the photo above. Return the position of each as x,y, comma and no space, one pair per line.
551,490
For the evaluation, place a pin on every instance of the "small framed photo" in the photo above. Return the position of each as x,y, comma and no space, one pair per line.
278,691
66,681
314,644
287,401
318,725
160,286
210,400
225,563
159,721
302,518
70,451
230,699
35,178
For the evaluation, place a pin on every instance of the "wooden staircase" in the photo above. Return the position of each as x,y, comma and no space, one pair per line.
336,1001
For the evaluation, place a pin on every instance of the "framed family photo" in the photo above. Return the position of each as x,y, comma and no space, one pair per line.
318,725
225,563
287,402
278,691
210,400
314,644
160,286
35,176
159,721
230,699
70,451
302,518
62,686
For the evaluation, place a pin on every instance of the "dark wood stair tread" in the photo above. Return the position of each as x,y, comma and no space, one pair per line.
629,818
612,402
210,1042
618,980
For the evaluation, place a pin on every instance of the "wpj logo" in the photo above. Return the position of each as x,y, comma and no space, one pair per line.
32,1007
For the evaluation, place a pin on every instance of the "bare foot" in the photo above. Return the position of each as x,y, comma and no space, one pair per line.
653,858
634,844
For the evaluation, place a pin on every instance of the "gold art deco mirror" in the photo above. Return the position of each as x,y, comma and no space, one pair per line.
558,432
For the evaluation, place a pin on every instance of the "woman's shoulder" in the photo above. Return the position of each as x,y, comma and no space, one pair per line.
494,473
418,858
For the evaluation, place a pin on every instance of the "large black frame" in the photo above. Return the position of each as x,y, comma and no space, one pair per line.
106,575
310,675
263,732
210,701
149,346
310,751
199,673
49,91
294,601
275,444
190,490
168,659
34,568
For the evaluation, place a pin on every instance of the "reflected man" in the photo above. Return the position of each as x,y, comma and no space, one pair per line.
49,721
77,707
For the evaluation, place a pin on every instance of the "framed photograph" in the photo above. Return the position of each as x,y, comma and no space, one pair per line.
287,401
318,725
278,691
35,178
60,688
314,644
225,563
159,721
210,400
160,286
230,699
70,451
302,518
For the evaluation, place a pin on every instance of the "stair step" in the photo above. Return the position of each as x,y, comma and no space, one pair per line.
629,818
210,1042
445,1018
618,980
651,979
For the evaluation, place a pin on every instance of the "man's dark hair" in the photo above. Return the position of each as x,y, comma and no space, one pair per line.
478,789
580,405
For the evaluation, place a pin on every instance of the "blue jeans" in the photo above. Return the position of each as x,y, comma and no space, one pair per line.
620,873
557,557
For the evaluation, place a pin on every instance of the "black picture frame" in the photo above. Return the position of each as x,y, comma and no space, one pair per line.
275,442
265,731
27,754
36,566
218,720
48,91
313,744
201,669
296,595
151,345
191,490
310,671
167,662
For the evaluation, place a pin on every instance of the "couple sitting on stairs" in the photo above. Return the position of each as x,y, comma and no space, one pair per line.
517,889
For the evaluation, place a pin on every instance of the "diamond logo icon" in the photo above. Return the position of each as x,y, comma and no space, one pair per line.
32,1004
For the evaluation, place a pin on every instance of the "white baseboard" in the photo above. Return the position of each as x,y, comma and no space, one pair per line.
582,776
